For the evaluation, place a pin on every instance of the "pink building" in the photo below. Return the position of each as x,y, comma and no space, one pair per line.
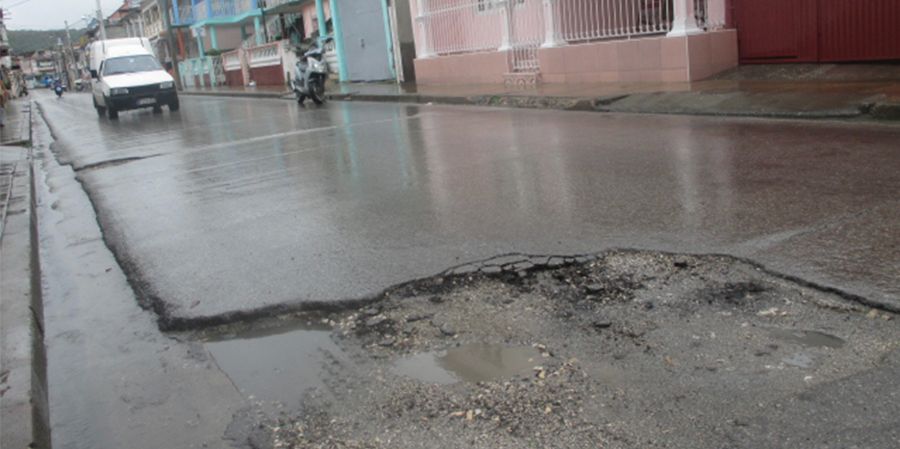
571,41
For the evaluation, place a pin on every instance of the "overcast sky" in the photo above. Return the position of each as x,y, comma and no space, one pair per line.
51,14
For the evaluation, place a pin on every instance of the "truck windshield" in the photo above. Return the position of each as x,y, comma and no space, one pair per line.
130,64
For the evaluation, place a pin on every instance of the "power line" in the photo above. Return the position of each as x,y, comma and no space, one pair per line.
17,4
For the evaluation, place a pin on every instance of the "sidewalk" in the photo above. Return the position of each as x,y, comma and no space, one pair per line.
809,91
23,365
18,128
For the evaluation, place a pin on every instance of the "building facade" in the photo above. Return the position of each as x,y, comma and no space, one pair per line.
578,41
571,41
241,42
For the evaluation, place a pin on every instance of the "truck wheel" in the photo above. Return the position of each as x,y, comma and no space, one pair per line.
174,105
112,113
101,111
157,109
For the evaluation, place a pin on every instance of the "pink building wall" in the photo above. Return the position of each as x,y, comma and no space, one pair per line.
641,58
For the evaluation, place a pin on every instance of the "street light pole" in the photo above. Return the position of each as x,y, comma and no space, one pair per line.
170,41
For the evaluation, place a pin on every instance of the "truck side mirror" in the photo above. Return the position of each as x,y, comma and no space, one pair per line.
94,74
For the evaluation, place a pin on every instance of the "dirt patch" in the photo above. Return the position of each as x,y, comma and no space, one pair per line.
630,350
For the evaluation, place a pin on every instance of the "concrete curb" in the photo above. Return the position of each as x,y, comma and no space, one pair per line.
24,404
644,103
885,111
236,94
863,109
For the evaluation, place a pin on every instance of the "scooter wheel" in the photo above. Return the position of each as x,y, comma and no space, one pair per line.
317,92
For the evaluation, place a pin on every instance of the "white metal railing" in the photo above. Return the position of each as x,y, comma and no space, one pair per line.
585,20
460,26
526,33
446,27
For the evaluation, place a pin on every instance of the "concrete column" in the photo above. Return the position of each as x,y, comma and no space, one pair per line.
200,46
502,7
339,40
388,36
684,23
320,19
422,20
551,39
213,38
257,30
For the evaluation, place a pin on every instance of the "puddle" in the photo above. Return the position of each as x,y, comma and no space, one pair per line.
813,339
475,362
799,360
276,365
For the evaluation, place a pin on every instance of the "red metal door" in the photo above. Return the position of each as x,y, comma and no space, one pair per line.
859,30
767,29
817,30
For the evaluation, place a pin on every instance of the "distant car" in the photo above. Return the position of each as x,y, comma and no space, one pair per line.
127,76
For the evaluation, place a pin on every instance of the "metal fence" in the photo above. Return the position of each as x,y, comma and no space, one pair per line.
460,26
526,34
521,26
585,20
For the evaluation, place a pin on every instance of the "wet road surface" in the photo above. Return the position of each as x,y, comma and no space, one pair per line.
240,204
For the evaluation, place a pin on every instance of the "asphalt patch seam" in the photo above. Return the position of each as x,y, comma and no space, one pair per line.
112,162
504,265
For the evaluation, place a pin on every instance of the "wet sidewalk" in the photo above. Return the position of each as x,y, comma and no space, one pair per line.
16,129
23,377
776,91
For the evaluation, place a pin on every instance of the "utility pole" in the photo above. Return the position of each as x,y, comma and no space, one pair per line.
100,18
64,63
71,52
170,41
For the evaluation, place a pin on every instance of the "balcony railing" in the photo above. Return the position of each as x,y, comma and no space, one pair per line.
265,55
152,29
217,9
185,15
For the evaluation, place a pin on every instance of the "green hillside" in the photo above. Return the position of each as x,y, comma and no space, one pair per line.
24,41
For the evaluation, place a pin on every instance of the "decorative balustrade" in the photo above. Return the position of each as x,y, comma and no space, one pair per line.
232,60
265,55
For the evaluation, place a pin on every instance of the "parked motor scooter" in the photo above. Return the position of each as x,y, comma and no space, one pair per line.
310,74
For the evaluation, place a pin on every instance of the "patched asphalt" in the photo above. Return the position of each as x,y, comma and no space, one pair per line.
249,206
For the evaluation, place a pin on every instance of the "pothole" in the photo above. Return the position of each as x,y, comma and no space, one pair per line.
808,338
473,362
276,365
568,355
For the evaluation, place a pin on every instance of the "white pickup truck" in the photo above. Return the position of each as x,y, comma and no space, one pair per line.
127,76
